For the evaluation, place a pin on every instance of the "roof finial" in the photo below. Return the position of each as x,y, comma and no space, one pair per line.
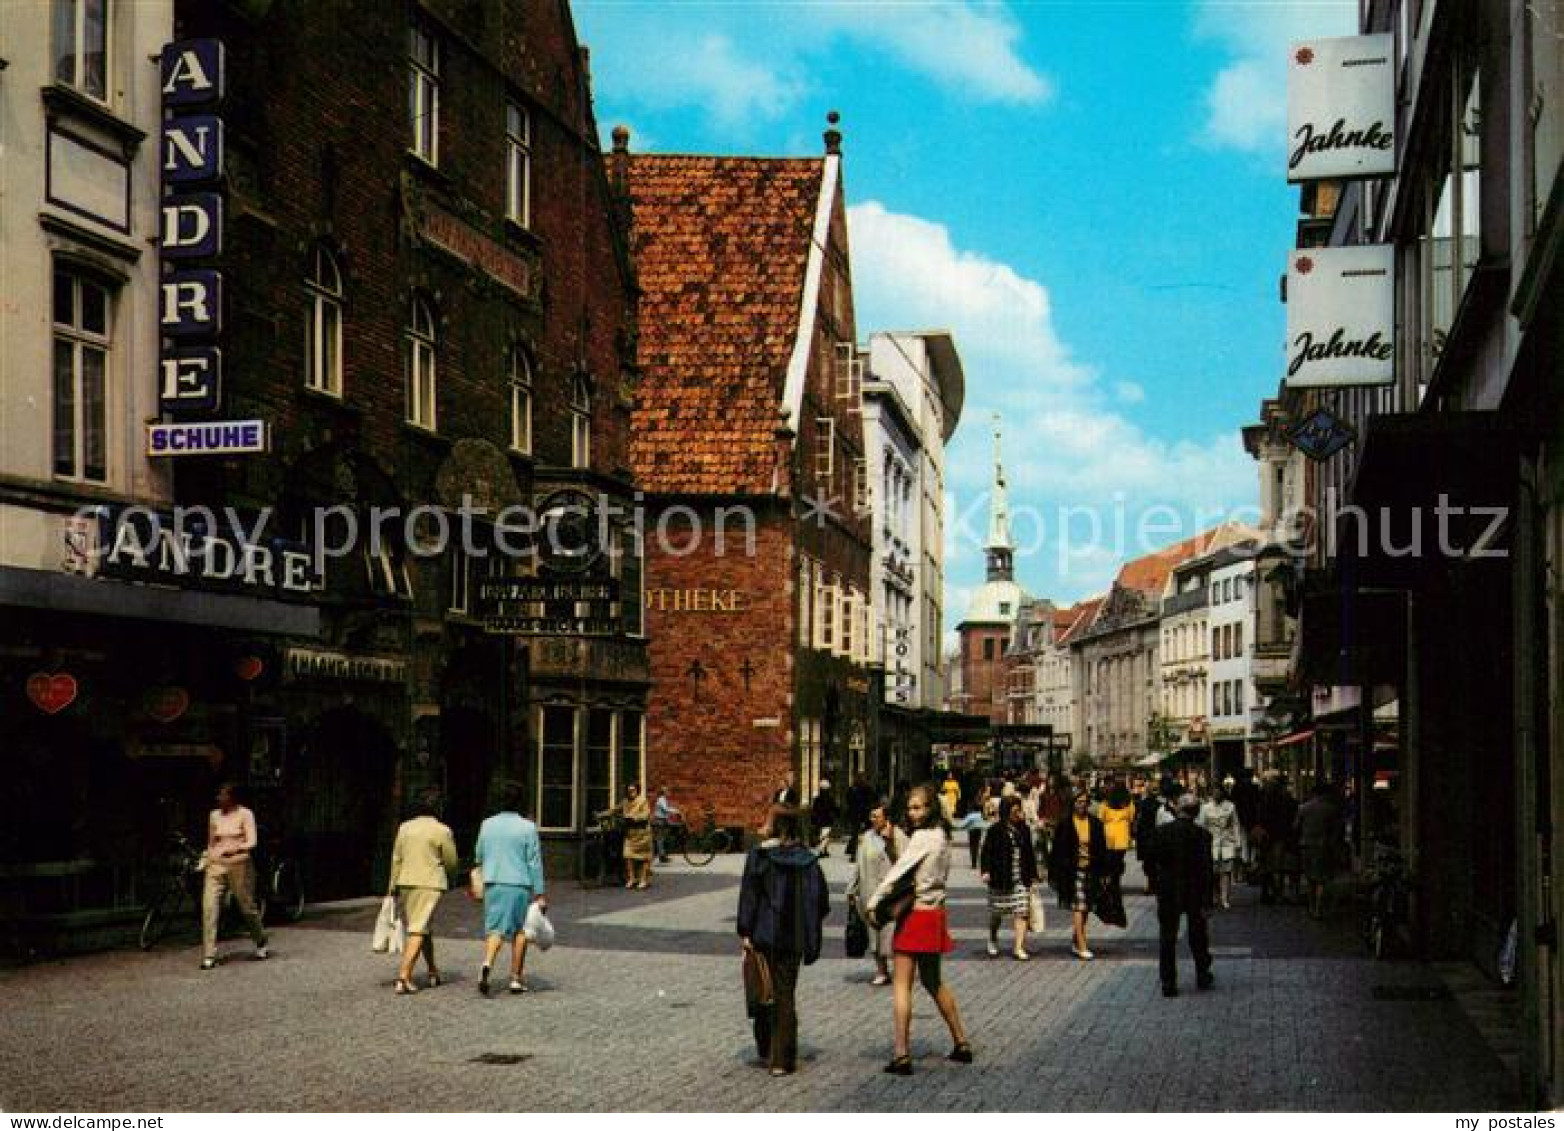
833,136
621,139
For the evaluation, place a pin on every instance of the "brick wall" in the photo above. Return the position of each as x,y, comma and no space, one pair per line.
983,680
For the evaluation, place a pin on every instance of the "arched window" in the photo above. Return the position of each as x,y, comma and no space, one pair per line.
581,423
323,325
520,400
421,366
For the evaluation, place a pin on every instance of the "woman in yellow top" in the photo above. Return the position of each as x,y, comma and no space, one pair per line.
1118,818
637,814
1077,862
950,796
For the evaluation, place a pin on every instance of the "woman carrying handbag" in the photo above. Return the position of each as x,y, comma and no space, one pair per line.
921,933
1077,865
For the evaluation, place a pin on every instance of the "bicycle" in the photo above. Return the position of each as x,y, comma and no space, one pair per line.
601,857
182,871
279,887
1390,900
698,847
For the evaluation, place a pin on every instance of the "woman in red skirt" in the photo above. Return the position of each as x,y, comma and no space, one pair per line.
921,934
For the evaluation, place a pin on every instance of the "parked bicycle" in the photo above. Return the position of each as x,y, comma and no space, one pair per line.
279,889
698,846
602,850
1390,900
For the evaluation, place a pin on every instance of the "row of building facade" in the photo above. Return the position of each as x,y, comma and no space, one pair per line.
367,427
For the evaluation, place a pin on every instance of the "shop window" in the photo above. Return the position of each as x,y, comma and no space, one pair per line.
632,743
82,339
423,96
601,792
557,768
323,326
81,46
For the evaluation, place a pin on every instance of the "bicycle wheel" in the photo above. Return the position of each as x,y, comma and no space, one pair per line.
699,850
160,912
593,862
288,891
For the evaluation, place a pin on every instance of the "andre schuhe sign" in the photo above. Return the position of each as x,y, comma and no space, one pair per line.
1341,317
1341,108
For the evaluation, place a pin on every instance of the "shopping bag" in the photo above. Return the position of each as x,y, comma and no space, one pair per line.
856,938
385,922
1036,915
1109,903
537,928
758,994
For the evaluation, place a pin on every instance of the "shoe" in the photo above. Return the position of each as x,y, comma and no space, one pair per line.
783,1071
961,1054
483,982
1170,991
1226,906
209,964
517,986
262,954
434,979
1205,981
993,949
629,884
880,980
900,1066
405,988
642,886
1020,956
1083,955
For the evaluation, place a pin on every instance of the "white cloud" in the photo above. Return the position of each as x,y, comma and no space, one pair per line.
746,63
968,47
1246,103
1081,475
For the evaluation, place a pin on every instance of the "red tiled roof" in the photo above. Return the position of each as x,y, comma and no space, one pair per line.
1150,573
721,246
1083,615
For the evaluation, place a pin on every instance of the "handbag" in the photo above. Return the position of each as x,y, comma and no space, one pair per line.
385,926
855,940
1036,915
1108,903
537,928
896,903
759,996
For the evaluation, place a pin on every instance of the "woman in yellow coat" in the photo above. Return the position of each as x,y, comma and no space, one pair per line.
637,814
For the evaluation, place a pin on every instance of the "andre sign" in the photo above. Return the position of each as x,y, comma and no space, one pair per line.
190,300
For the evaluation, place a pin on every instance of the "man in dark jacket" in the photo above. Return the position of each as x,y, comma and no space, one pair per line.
861,800
1181,850
783,900
822,817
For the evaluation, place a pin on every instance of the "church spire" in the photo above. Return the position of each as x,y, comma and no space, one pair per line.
1000,549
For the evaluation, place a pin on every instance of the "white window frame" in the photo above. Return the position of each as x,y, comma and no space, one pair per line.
323,329
825,447
581,423
78,55
806,600
386,570
422,367
521,387
847,614
849,373
863,500
825,611
82,342
575,764
423,76
461,581
518,164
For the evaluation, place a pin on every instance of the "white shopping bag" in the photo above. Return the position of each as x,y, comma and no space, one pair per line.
1036,918
390,930
537,928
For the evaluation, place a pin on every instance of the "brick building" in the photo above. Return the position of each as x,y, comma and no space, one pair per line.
748,442
424,303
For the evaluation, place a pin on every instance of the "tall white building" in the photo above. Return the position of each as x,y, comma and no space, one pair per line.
913,390
1231,622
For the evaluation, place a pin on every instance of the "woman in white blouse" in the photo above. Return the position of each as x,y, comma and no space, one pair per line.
922,934
1219,817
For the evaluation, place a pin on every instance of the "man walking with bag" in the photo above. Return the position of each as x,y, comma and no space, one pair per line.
1181,851
880,848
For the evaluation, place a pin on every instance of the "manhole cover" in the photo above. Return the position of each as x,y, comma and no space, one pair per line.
502,1058
1411,993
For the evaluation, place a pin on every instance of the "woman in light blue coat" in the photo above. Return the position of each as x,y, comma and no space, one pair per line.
511,858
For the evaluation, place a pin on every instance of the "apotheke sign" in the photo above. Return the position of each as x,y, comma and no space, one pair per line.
1341,108
1341,313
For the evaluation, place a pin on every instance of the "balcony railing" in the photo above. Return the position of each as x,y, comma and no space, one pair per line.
1189,599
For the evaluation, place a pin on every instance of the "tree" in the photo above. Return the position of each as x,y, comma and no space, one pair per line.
1083,762
1161,734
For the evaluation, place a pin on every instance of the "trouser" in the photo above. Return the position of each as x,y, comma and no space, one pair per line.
1199,941
236,878
660,840
974,845
776,1031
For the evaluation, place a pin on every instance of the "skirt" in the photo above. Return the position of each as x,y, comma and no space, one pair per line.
1013,904
505,909
923,931
418,906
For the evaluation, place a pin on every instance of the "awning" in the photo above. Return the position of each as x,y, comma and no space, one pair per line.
1294,739
67,593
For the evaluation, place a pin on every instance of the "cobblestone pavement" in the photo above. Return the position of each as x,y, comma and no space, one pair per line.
639,1007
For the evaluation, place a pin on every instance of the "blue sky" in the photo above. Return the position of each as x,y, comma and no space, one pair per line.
1091,195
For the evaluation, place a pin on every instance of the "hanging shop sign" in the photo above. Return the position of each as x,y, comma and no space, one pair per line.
1341,317
165,704
312,663
190,294
1341,108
